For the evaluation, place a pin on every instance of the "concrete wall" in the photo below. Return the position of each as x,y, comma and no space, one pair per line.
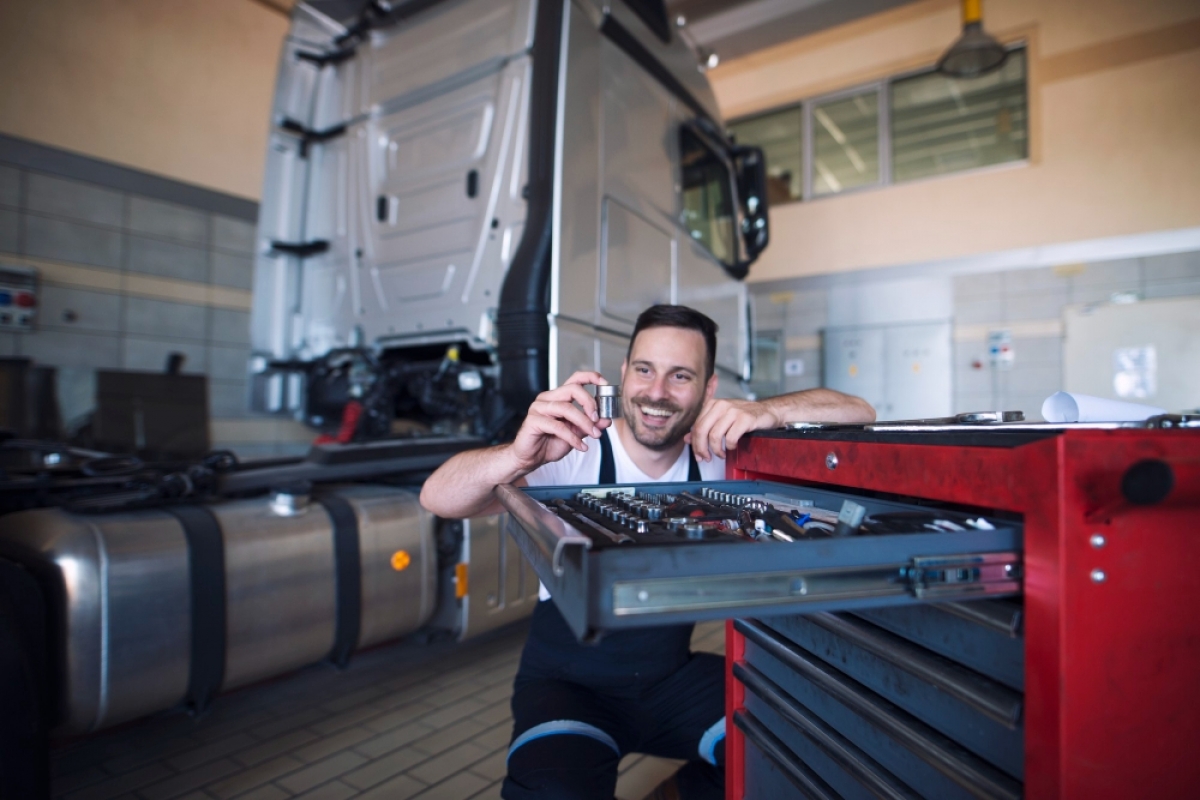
1114,133
171,87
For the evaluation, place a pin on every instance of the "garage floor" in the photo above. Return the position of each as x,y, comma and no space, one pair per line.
406,720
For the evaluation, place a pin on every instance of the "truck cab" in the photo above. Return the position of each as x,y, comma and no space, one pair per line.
468,200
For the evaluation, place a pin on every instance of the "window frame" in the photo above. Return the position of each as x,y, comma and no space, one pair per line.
884,159
883,87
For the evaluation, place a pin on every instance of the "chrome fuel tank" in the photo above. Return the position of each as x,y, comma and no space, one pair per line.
120,590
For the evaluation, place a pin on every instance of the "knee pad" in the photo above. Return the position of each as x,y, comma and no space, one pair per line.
709,741
566,727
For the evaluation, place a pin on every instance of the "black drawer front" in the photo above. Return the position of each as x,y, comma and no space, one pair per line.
990,645
772,770
849,770
876,714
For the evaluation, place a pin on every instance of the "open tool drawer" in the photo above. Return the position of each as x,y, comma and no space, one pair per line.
606,574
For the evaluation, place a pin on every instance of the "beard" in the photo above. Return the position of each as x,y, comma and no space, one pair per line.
659,438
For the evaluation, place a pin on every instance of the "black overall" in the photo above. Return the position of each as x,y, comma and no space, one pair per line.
578,708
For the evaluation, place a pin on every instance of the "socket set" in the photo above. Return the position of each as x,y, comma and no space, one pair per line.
621,517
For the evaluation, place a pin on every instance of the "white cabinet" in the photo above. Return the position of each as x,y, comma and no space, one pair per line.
902,370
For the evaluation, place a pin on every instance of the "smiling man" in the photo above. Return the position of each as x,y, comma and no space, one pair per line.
578,708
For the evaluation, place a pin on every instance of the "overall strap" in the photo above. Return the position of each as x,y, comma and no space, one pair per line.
608,465
693,467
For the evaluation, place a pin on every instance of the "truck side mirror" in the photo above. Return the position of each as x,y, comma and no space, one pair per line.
750,170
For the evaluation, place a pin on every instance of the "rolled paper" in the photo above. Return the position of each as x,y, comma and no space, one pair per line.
1072,407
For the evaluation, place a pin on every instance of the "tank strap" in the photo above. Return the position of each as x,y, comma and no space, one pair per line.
206,571
348,571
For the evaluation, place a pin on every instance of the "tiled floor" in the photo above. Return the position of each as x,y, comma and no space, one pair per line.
407,720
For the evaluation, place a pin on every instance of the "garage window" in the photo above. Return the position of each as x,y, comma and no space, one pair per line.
844,132
903,128
941,125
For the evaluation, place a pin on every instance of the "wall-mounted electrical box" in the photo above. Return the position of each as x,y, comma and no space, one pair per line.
18,298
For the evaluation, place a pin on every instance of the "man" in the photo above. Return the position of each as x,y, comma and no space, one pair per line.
578,708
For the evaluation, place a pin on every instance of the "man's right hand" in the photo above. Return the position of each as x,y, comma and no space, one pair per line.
555,425
463,486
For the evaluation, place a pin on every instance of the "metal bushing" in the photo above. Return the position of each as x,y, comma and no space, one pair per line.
607,401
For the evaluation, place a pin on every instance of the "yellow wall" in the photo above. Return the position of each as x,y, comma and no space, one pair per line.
181,88
1115,133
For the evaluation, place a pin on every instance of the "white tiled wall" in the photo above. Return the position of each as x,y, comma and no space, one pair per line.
1028,302
110,234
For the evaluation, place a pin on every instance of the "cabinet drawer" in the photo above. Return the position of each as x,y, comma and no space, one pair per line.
618,557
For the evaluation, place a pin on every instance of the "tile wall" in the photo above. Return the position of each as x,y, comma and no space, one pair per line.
1027,302
127,279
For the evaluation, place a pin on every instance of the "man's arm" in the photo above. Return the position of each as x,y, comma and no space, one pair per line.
463,486
724,422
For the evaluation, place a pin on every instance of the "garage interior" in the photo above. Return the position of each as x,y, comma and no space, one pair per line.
938,246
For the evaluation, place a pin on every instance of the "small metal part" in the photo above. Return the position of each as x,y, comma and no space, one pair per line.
1098,576
643,526
619,538
1097,540
850,517
291,500
989,417
607,401
654,513
831,461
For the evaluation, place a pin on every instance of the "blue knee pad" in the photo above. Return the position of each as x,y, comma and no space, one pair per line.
573,727
710,740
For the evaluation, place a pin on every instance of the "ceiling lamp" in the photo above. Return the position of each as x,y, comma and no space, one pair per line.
975,53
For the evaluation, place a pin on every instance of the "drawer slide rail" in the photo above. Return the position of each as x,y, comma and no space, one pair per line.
950,577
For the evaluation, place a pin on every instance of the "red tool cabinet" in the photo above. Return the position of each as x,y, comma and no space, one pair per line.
1111,588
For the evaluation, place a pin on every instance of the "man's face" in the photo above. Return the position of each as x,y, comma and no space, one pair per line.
663,387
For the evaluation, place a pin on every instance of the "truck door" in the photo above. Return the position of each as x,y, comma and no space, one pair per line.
396,182
651,206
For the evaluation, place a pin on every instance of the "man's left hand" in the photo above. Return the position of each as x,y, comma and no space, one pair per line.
723,422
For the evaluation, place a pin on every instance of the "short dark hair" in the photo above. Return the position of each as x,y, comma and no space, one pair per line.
689,319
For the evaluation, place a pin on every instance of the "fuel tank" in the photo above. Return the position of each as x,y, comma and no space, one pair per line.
300,581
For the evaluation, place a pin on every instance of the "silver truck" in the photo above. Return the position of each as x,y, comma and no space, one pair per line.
468,200
465,201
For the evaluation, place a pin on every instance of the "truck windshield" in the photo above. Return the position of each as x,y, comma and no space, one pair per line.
707,197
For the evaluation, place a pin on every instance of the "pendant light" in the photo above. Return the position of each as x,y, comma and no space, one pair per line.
975,53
